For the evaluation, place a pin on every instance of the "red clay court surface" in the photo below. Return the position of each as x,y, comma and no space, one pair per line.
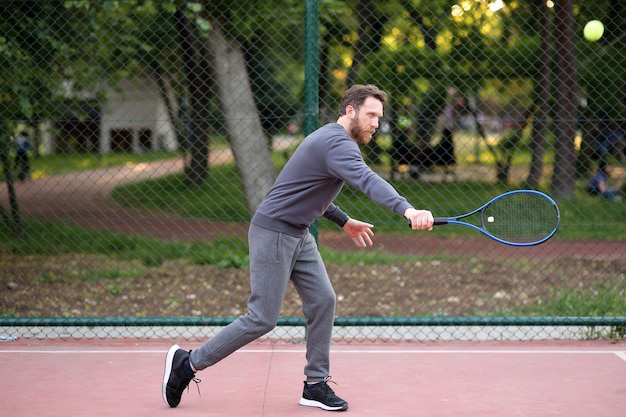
89,378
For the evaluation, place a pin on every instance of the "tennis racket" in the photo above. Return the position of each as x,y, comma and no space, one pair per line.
516,218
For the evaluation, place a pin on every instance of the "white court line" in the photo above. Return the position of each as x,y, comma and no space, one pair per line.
620,354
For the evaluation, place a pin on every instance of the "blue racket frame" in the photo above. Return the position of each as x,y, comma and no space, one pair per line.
456,220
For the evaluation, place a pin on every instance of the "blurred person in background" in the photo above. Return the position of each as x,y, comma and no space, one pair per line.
22,164
599,184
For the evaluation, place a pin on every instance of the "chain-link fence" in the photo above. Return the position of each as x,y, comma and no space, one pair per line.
139,136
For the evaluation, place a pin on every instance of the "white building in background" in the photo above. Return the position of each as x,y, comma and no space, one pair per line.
136,119
133,118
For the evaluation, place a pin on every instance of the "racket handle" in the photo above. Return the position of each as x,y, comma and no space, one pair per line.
439,221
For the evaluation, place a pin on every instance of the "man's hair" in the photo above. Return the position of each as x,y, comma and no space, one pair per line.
356,95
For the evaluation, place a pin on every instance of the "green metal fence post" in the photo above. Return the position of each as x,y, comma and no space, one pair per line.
311,76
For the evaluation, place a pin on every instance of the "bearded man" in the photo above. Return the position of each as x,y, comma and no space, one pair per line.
282,249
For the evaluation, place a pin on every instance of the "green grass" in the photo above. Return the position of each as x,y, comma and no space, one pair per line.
53,238
222,197
45,166
602,300
219,197
49,239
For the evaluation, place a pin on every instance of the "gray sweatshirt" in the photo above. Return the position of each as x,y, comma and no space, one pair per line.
313,177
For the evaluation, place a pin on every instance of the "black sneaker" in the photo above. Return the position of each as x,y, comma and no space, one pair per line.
322,396
174,379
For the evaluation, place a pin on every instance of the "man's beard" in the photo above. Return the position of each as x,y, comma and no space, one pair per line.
358,133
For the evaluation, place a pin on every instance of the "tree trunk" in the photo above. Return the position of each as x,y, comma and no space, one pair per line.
564,178
172,106
427,29
12,218
429,110
542,99
369,35
242,120
199,82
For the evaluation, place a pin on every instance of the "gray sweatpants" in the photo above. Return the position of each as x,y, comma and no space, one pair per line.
275,259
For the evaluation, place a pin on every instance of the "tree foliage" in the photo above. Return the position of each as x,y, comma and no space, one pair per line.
53,51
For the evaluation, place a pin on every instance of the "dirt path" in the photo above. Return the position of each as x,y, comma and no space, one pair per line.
83,199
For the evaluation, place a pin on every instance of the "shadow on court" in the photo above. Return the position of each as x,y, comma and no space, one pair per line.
463,379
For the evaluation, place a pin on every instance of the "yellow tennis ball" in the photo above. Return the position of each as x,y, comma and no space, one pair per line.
593,30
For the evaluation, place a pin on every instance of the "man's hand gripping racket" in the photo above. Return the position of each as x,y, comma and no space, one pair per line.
516,218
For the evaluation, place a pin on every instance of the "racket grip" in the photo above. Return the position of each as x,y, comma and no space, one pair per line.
439,221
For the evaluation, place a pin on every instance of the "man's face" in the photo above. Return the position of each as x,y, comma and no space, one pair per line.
364,122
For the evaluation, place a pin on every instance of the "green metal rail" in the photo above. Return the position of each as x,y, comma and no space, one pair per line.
299,321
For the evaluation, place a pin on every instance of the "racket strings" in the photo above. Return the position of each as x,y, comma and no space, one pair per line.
521,218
